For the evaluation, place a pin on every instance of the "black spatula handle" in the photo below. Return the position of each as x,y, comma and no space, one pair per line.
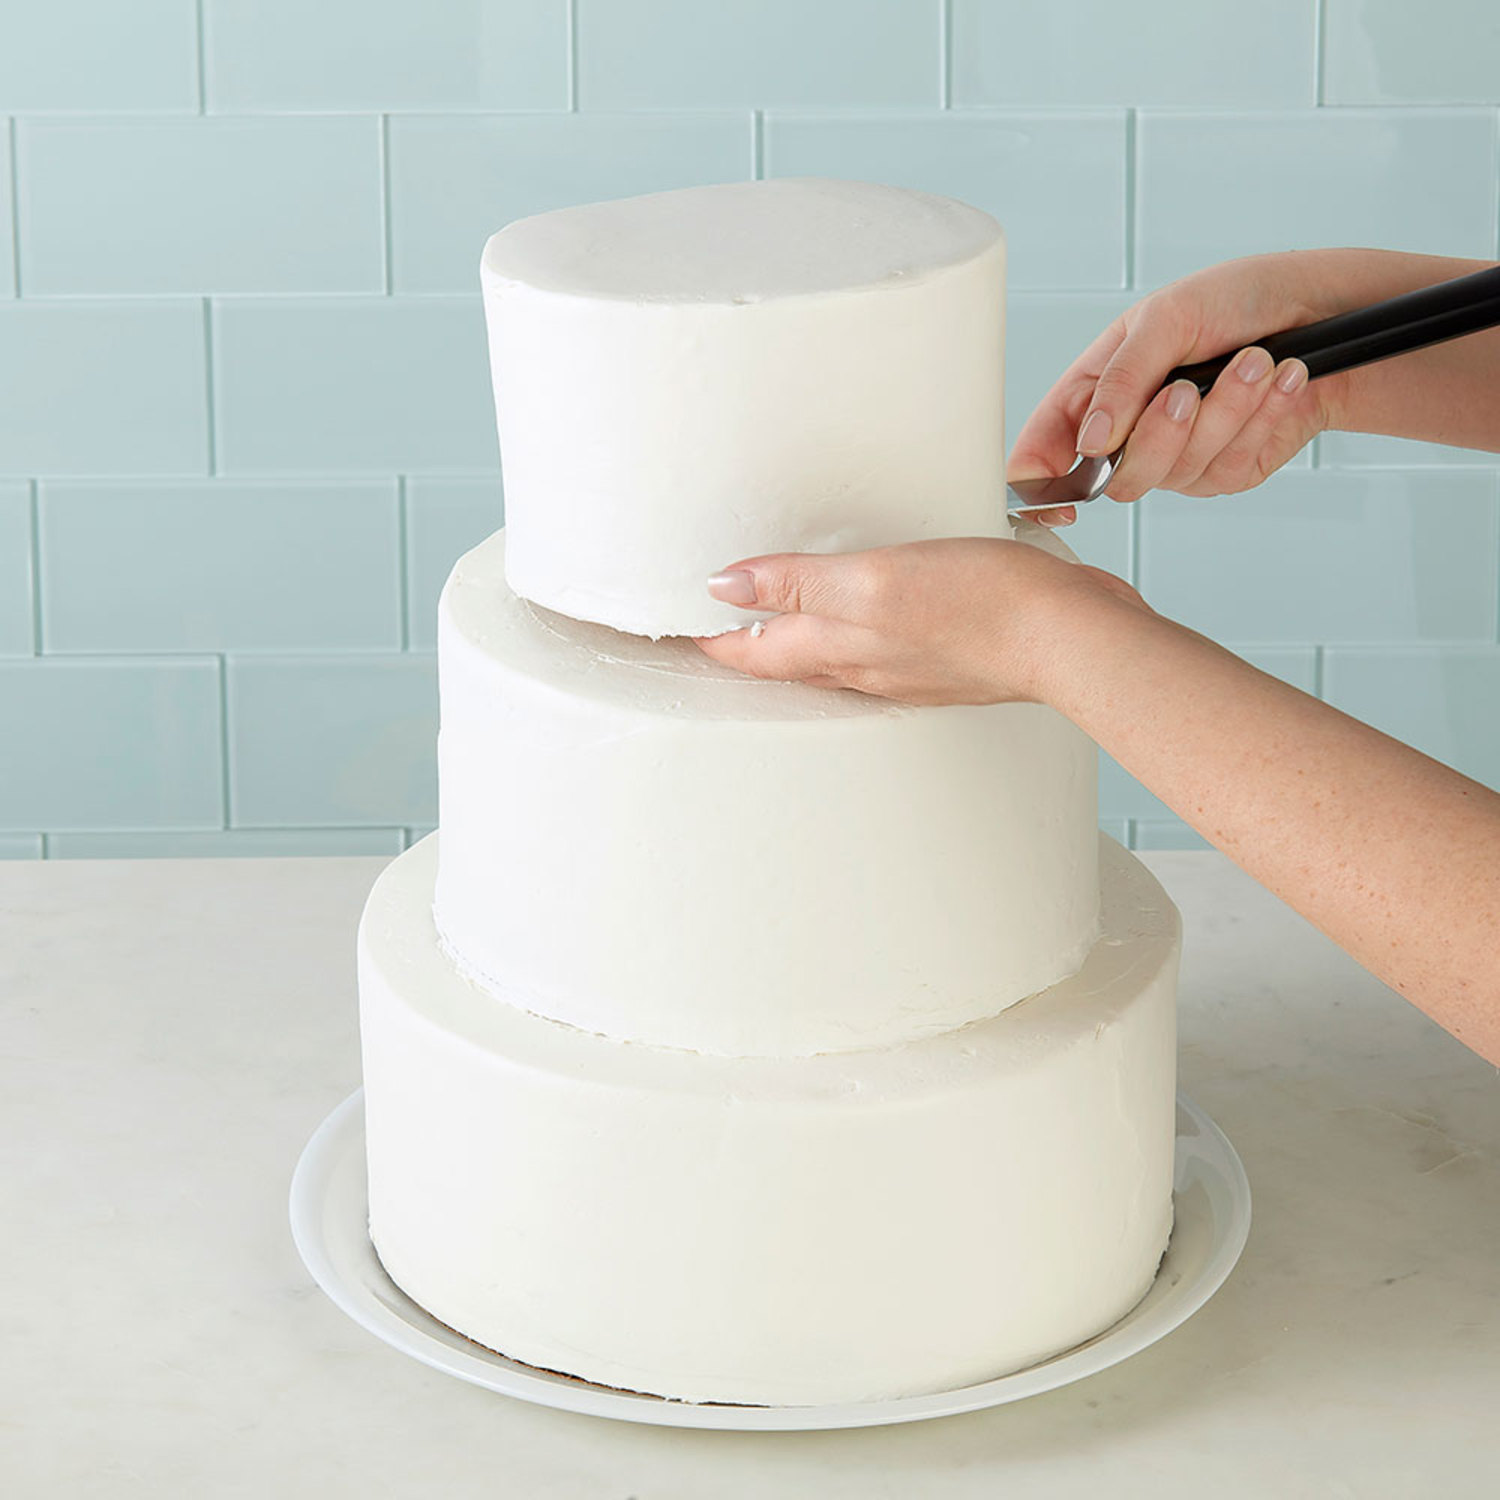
1413,320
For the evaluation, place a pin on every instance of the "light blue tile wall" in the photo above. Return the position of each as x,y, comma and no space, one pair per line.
455,180
99,55
92,744
352,385
444,519
7,211
372,55
96,387
274,205
17,637
647,54
1395,52
1008,164
245,424
1211,186
1199,52
220,566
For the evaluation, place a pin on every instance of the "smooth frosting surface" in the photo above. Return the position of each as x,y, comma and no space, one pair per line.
740,242
643,844
831,1228
690,378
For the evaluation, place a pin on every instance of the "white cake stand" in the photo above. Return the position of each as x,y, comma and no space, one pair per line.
330,1212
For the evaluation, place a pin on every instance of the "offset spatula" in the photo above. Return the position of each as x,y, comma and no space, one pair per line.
1413,320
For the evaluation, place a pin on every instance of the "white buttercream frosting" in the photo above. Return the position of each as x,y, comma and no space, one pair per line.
645,844
686,379
834,1228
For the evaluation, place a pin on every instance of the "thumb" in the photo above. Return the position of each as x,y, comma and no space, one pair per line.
791,583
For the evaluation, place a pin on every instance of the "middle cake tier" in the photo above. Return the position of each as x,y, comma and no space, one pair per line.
641,843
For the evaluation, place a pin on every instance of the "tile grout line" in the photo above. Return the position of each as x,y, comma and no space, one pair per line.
387,270
1132,833
403,563
13,153
572,62
224,809
1317,673
34,501
202,50
209,393
1320,40
1131,177
945,54
757,145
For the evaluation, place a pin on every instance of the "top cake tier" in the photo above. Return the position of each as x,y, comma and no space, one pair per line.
690,378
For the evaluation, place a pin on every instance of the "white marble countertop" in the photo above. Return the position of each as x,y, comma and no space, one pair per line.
171,1032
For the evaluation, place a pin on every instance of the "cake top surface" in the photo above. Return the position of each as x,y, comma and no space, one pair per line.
741,242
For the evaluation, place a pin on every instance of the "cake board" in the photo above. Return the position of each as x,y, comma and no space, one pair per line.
329,1220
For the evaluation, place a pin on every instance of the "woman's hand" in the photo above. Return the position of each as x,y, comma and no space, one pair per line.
962,620
1257,416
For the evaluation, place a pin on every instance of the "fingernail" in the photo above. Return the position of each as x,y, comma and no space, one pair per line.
734,587
1181,399
1253,365
1292,377
1093,436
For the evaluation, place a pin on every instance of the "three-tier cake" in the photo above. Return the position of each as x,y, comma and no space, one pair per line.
735,1040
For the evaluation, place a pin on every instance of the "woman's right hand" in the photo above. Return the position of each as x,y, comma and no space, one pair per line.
1257,416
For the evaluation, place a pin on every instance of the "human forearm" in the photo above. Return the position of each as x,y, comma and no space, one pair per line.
1394,856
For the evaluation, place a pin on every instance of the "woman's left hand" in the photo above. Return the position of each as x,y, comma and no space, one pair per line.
961,620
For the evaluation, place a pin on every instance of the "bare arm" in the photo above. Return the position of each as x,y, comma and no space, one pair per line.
1394,856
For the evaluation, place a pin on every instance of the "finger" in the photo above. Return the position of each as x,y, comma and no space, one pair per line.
1062,515
1048,441
790,648
1156,443
1277,428
836,584
1156,339
1239,390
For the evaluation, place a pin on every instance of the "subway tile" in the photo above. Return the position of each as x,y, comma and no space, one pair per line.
20,846
385,55
353,385
1056,181
15,570
245,205
7,213
1165,833
220,566
1122,796
230,843
1444,701
95,387
1374,450
1212,186
99,55
332,741
444,519
1044,333
1183,52
1394,52
110,744
455,181
1327,556
642,54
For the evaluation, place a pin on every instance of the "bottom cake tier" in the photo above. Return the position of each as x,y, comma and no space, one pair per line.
842,1227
